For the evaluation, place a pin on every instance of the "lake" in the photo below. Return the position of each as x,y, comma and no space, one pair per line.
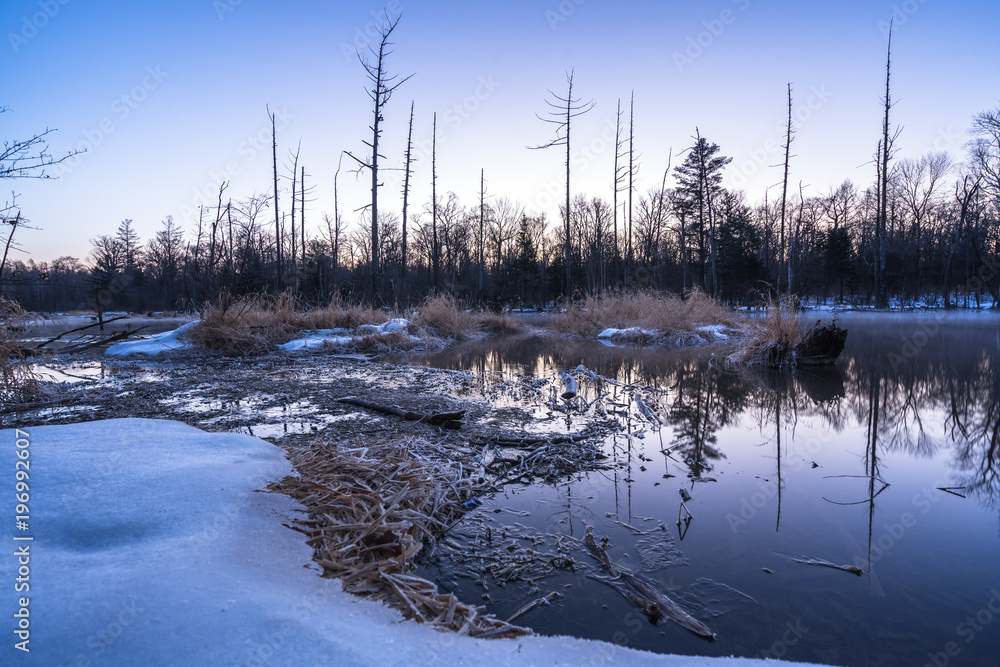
730,489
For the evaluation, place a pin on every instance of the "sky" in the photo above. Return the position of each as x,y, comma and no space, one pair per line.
170,98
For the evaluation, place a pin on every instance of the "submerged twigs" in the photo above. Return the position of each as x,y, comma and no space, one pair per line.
372,510
647,596
446,419
540,602
806,560
541,456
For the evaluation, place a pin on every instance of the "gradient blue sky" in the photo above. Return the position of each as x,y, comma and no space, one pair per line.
168,96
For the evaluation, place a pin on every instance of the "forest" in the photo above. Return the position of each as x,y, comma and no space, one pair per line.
924,230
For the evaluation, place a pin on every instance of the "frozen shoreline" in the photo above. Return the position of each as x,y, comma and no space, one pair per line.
154,547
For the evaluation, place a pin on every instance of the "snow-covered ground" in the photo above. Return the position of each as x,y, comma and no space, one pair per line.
325,338
162,342
152,546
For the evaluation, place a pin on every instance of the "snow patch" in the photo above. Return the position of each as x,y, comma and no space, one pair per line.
322,338
161,342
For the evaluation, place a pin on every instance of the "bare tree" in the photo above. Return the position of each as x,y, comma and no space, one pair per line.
435,248
23,158
382,87
883,154
277,217
784,199
565,109
407,172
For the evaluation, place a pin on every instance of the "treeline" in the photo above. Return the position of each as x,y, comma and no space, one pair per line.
941,241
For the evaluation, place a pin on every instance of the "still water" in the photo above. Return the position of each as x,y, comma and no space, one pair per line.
887,462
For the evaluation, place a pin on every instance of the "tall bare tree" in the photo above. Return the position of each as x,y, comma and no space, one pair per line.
407,172
883,154
383,85
435,246
784,199
564,110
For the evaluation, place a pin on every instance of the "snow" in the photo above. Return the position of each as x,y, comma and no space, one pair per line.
315,340
152,547
161,342
632,332
718,331
318,339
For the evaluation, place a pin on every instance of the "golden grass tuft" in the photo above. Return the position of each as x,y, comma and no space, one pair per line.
769,339
444,317
663,312
489,322
18,382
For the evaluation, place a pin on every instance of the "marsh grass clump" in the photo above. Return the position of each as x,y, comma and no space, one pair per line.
653,311
18,382
258,323
489,322
769,340
443,316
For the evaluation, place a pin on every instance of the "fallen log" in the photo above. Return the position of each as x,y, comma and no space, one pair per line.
99,341
32,350
451,420
531,441
649,598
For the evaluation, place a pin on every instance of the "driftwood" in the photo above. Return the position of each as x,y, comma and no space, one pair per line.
570,383
531,441
31,350
451,420
649,598
820,345
806,560
101,340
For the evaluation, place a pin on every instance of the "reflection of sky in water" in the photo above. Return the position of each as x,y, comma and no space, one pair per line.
928,386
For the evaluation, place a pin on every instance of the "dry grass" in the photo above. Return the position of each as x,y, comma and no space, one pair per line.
18,382
666,313
443,316
769,339
497,323
373,509
258,323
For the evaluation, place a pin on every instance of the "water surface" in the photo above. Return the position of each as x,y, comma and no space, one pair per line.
888,462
